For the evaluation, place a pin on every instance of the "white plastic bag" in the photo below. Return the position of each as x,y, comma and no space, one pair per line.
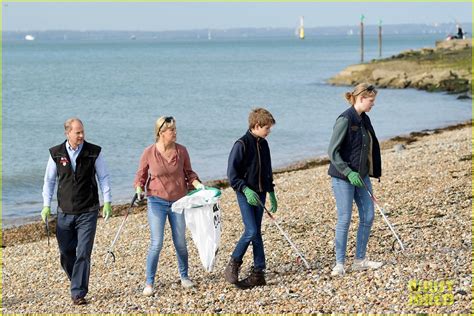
203,219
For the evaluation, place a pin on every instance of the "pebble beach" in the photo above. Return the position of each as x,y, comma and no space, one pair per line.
425,191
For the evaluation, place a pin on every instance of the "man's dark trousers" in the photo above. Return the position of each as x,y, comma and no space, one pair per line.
75,234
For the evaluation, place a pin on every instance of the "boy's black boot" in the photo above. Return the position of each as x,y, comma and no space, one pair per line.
256,278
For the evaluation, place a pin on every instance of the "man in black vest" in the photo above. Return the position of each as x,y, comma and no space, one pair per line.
76,164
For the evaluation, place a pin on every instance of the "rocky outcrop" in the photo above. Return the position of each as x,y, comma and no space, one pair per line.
444,68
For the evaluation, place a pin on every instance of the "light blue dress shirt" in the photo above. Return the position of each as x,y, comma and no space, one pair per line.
50,176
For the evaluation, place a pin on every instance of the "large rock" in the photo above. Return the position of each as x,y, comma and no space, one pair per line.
446,68
351,75
454,44
388,78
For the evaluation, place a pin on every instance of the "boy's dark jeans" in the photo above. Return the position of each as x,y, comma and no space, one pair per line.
252,218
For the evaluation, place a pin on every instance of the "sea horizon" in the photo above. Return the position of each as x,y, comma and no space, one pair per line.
370,30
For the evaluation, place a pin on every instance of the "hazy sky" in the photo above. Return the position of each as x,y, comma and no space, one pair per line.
183,16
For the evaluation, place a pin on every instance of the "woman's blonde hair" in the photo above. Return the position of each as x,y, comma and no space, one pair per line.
363,90
162,124
260,116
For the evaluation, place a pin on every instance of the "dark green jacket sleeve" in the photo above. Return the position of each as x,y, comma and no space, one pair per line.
338,134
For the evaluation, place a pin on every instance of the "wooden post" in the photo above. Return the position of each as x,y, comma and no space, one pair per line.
362,38
380,38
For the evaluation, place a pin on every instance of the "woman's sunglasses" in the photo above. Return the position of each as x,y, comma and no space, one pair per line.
369,88
168,119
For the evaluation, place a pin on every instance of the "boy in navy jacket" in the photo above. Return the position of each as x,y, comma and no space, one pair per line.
250,174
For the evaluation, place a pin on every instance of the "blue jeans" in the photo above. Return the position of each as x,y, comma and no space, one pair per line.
345,194
158,211
75,235
252,218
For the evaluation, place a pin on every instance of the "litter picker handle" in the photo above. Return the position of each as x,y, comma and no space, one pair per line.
47,228
134,198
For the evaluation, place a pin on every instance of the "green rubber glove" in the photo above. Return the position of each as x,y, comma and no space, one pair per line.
45,213
106,210
252,197
273,201
140,194
354,179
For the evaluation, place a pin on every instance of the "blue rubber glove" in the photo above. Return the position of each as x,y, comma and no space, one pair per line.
45,213
106,210
273,201
252,197
354,179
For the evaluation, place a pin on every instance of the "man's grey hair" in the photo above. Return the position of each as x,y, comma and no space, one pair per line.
67,124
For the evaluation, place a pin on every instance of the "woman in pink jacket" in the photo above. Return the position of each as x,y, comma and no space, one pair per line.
165,172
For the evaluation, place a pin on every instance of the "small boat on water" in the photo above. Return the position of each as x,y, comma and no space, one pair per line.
29,37
299,31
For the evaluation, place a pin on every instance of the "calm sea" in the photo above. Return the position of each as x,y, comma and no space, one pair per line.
119,89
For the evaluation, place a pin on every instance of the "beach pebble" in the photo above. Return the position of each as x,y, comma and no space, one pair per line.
399,148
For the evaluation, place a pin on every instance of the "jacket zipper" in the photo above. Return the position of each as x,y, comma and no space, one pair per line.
259,167
362,147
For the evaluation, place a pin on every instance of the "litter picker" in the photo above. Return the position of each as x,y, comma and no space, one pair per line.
46,225
285,235
46,222
383,215
111,248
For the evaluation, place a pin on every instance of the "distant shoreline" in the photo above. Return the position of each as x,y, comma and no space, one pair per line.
442,29
32,231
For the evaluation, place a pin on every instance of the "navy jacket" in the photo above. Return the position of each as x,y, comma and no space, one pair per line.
250,164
